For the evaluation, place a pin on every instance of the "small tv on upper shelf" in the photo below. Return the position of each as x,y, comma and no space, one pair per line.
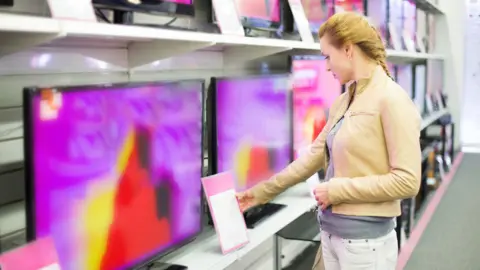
258,14
171,7
316,12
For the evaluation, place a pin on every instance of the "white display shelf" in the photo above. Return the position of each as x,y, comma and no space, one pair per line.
400,57
205,253
147,44
427,121
19,33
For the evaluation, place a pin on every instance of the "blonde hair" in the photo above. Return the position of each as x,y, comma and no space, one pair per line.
351,28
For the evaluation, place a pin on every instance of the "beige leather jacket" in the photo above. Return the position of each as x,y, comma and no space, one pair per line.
376,153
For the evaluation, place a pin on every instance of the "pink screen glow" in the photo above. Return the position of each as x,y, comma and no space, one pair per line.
314,91
316,11
260,9
349,5
185,2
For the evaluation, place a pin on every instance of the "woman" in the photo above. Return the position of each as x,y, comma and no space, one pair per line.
369,148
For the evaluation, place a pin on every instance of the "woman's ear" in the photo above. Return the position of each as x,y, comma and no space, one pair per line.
348,50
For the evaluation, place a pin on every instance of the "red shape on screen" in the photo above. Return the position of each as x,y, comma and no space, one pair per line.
136,230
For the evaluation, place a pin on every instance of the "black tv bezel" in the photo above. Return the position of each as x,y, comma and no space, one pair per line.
156,7
257,24
289,21
212,117
30,92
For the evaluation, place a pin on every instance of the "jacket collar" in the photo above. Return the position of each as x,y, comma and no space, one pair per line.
362,84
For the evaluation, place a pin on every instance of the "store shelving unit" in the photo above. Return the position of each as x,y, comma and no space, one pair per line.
147,44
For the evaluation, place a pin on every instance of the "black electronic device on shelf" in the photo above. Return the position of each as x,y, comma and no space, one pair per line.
250,130
116,185
123,9
6,3
267,15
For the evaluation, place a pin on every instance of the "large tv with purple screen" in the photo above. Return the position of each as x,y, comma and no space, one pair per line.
174,7
113,171
252,126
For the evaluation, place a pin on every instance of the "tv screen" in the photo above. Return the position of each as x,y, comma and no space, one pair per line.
178,7
405,78
349,5
253,127
421,27
263,14
317,12
410,19
314,91
435,75
420,87
396,19
393,71
377,13
115,171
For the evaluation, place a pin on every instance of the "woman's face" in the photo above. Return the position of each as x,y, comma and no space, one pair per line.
338,60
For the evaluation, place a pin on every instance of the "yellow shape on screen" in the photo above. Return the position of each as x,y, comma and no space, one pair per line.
242,163
99,209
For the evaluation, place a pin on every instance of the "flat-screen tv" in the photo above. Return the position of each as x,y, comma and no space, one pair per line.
410,20
420,87
259,14
317,12
350,5
314,91
251,122
405,78
176,7
393,70
113,171
377,11
395,19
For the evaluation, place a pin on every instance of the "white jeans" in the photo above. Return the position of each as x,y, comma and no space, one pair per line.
360,254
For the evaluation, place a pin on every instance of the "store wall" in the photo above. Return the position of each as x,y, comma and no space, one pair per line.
451,43
470,128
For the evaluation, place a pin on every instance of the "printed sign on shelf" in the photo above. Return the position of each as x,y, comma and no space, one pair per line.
301,21
227,218
78,10
37,255
226,14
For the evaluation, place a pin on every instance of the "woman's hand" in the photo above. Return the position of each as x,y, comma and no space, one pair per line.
246,200
321,195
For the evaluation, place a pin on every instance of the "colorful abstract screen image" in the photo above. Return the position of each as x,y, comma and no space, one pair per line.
253,127
317,12
314,91
116,171
268,10
349,5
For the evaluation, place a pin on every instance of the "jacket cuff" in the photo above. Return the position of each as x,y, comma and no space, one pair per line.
334,190
259,193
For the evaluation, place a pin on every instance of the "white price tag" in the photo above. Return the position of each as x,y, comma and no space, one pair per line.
301,21
81,10
226,14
